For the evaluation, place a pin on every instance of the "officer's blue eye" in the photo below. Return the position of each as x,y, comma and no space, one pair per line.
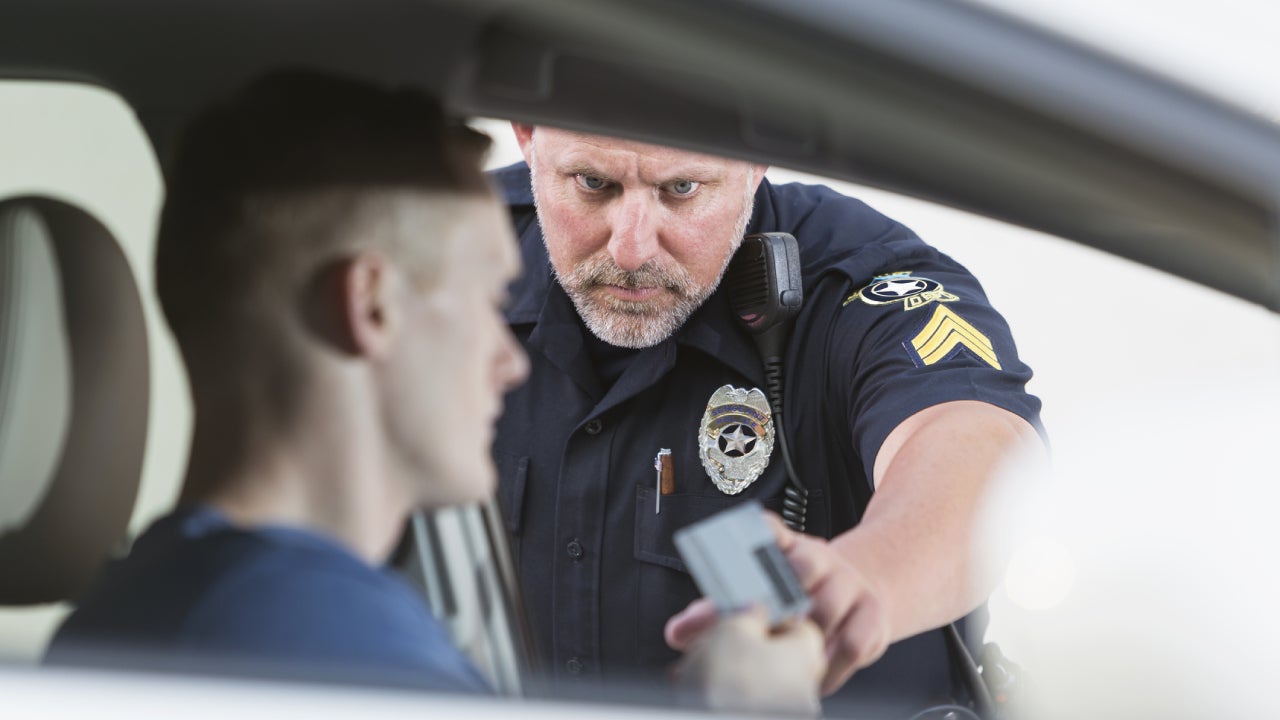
683,187
590,182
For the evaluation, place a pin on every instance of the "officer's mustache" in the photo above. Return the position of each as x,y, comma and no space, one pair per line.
601,270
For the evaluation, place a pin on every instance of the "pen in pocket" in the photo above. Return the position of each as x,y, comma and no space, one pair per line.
664,478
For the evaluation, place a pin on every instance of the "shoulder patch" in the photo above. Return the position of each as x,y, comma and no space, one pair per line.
946,333
901,287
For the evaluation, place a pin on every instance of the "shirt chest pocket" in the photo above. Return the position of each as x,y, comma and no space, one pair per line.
659,517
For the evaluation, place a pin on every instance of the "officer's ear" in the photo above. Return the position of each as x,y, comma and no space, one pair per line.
524,138
757,174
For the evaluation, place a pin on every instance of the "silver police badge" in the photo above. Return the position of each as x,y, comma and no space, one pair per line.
735,439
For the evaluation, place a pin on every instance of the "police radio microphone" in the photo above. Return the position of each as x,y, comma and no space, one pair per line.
765,294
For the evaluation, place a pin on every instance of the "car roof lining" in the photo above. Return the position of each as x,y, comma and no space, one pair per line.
912,96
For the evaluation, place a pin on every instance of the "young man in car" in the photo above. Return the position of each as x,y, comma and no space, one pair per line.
900,378
332,263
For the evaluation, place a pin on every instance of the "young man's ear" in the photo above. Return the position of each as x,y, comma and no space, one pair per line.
524,138
350,304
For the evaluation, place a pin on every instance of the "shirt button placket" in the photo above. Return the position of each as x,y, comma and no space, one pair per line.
575,666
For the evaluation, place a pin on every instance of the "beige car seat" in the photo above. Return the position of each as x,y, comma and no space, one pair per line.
74,393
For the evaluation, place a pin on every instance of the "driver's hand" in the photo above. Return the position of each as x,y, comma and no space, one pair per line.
742,666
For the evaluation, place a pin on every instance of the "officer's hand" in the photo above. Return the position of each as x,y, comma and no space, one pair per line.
740,666
854,621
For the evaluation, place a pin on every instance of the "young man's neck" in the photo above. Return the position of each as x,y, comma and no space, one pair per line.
326,485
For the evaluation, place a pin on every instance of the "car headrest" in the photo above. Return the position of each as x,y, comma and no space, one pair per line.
74,395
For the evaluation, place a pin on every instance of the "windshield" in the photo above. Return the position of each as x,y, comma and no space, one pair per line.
1226,48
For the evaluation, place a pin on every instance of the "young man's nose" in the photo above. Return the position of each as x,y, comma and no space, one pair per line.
633,239
513,363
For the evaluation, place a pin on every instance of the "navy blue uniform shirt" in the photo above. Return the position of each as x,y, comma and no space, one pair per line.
575,452
198,594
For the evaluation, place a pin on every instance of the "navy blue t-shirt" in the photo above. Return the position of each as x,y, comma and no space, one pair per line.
889,326
197,593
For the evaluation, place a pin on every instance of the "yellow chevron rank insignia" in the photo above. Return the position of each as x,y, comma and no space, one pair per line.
943,334
901,287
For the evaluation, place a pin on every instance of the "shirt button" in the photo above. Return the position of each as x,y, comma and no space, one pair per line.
574,549
593,426
574,666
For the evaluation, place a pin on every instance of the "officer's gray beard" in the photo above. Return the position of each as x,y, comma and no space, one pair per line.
627,323
631,324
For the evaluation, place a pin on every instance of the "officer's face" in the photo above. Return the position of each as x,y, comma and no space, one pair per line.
639,235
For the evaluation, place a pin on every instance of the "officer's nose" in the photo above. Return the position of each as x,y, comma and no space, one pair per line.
633,239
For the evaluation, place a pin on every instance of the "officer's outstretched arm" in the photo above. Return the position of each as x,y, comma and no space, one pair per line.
910,565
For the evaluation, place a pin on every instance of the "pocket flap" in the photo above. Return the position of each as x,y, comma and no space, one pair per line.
655,532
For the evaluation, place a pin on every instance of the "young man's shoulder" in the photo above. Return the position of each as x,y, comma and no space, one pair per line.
268,584
275,601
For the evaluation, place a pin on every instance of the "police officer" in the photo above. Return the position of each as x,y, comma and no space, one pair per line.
900,379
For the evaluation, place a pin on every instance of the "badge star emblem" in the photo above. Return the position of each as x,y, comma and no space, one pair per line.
735,438
900,287
737,442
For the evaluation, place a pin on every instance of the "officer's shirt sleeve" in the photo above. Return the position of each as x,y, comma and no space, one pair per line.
914,332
